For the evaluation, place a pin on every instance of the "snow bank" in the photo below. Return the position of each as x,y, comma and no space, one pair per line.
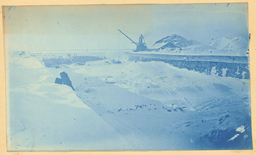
47,116
160,81
156,106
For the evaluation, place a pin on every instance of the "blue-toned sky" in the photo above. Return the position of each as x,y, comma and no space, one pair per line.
39,28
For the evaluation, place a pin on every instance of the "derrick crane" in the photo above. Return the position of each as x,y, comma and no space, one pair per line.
140,46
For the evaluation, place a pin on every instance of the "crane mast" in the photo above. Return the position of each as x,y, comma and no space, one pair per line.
141,45
128,37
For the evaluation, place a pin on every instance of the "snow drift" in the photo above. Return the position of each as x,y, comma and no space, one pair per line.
120,104
44,116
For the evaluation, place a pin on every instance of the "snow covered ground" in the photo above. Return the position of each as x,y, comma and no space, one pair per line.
44,116
124,105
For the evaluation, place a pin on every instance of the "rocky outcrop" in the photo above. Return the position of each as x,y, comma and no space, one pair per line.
58,81
64,80
174,41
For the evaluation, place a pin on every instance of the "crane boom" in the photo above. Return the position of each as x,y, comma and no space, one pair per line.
128,37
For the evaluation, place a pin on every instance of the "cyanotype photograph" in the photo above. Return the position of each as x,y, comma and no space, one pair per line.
127,77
